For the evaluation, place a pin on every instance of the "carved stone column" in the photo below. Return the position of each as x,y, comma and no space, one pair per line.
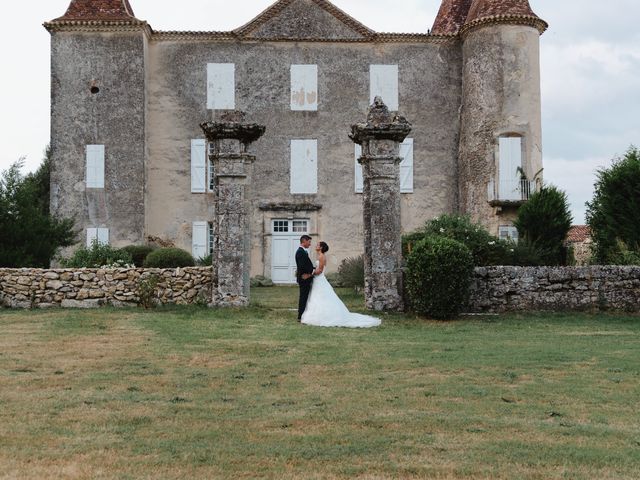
232,167
380,138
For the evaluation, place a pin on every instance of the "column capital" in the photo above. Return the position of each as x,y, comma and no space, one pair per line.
381,124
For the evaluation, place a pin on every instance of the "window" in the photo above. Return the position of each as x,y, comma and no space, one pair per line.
211,238
304,87
406,167
221,86
280,226
95,166
200,240
300,226
510,168
101,235
304,166
383,82
508,232
198,166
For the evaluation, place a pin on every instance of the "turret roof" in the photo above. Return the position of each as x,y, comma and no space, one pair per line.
491,8
451,17
98,10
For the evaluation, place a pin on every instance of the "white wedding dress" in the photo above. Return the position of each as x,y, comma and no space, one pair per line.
325,309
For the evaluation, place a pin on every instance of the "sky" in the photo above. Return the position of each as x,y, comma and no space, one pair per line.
590,65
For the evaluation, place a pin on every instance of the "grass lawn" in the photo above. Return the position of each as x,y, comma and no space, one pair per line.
191,393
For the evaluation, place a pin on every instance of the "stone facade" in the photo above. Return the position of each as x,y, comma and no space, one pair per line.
526,289
90,288
143,94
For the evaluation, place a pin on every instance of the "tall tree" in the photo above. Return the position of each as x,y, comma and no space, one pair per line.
614,212
543,223
29,235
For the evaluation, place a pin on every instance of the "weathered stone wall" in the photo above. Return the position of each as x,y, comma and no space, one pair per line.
114,63
88,288
522,289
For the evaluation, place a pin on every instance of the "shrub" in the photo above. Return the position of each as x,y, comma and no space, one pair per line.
334,279
613,214
96,256
351,272
484,247
138,253
147,291
438,276
169,258
543,223
261,281
205,261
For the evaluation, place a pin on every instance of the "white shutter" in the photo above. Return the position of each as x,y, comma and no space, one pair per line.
199,239
383,82
304,87
95,166
510,162
198,166
406,166
304,166
92,234
358,170
221,86
103,236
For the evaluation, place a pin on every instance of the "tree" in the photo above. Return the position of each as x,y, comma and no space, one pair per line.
29,235
614,213
543,223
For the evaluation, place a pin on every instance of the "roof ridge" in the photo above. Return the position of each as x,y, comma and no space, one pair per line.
280,5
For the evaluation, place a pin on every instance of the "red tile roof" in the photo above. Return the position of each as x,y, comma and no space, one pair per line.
98,10
578,233
491,8
451,17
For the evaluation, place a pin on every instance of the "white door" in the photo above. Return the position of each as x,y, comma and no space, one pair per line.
285,241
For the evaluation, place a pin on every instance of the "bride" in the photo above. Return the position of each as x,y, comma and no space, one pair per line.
324,308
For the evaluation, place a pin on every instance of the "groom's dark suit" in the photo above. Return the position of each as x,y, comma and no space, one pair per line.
304,266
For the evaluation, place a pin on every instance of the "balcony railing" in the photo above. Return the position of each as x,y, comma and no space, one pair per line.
513,192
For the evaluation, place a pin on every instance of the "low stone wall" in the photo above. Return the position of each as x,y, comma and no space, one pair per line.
88,288
515,289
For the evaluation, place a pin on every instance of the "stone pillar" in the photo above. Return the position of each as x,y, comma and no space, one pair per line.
232,167
380,138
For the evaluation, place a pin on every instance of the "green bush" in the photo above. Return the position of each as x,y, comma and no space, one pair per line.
96,256
543,223
613,214
138,253
438,276
261,281
485,248
205,261
169,258
334,279
351,272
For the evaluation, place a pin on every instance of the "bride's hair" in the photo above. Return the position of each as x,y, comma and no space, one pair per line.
324,248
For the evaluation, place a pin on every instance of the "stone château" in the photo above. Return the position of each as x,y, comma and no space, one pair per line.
131,163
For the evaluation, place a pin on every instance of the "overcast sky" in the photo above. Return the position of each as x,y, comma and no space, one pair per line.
590,72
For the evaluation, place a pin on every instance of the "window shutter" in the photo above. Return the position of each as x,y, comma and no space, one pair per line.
95,166
92,234
406,166
383,82
510,162
358,170
199,239
221,86
103,236
198,166
304,166
304,87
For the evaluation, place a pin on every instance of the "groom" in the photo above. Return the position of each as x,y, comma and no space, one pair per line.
304,273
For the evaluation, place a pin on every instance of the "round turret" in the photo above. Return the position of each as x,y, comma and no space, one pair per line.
500,156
